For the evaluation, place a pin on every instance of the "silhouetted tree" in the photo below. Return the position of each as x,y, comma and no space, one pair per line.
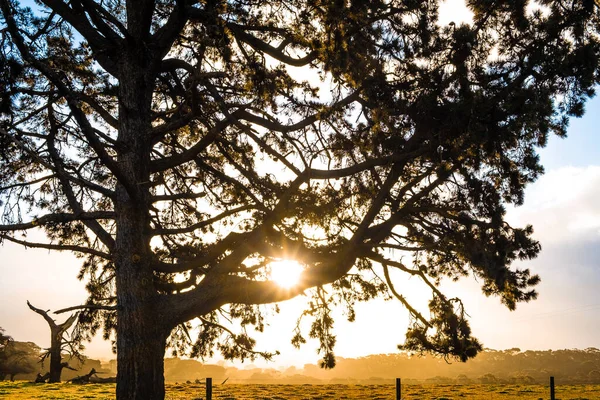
5,341
58,344
16,357
203,140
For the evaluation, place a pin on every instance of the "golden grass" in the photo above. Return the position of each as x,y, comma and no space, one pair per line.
21,390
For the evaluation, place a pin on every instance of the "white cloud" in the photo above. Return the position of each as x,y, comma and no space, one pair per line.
562,205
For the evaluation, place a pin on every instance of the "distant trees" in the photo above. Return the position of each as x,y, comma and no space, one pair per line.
182,370
488,379
509,366
59,345
17,357
5,341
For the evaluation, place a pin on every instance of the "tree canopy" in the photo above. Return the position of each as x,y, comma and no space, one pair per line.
17,358
179,147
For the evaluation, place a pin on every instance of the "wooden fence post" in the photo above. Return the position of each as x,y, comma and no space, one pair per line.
208,388
398,389
552,394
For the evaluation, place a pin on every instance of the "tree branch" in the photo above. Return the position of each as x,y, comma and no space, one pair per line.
71,98
218,289
92,224
86,307
45,315
82,182
192,152
58,218
100,44
257,44
58,247
402,299
201,224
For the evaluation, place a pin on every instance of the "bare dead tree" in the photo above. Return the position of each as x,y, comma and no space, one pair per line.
58,343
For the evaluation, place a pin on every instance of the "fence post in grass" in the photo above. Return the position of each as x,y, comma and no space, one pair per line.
208,388
552,394
398,389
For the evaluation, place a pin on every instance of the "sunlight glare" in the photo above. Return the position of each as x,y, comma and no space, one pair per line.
286,273
454,11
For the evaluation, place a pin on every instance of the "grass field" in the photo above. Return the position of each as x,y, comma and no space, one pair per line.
21,390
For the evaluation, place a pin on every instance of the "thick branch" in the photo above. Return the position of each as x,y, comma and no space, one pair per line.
92,102
67,324
86,307
44,314
100,44
164,37
99,17
259,45
216,289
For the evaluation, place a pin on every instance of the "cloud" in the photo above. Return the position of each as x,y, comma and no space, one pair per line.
564,210
562,206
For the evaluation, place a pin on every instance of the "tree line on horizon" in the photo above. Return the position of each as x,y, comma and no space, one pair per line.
511,366
569,366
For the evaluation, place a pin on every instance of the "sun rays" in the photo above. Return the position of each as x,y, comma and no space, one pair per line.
286,273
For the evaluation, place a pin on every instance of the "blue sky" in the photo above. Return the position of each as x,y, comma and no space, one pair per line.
582,146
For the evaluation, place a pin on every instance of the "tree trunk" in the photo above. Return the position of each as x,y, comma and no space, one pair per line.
56,341
140,363
55,356
141,332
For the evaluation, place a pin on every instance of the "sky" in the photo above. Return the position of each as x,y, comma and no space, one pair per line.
562,205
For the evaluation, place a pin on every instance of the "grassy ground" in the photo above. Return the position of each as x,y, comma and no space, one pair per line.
21,390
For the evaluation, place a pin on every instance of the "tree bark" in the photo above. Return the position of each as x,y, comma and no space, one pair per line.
55,356
141,330
140,361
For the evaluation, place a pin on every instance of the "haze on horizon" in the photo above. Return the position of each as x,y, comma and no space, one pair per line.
563,207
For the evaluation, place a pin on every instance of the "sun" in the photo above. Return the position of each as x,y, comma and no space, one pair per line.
286,273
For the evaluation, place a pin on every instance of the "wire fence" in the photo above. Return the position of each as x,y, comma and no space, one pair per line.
209,389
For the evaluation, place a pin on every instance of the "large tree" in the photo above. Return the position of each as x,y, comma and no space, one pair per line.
178,147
